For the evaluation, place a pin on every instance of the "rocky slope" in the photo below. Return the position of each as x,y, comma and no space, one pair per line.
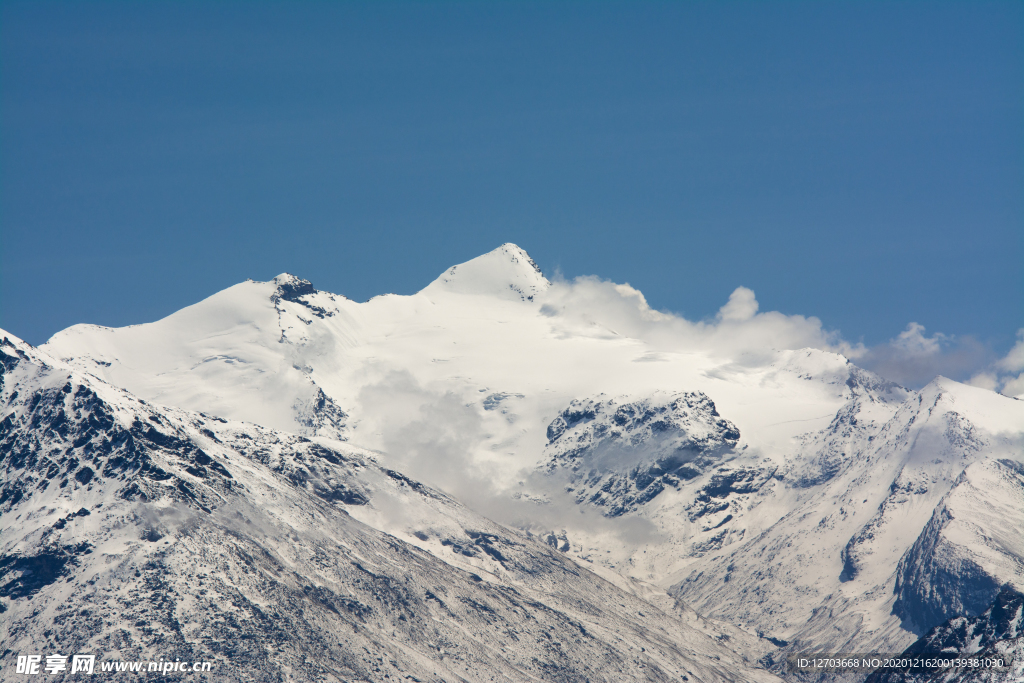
620,453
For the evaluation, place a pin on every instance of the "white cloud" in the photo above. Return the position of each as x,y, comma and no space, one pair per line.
1014,360
427,434
1014,387
913,358
742,306
591,305
912,340
1007,373
985,380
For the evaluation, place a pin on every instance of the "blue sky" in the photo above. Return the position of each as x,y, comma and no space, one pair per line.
860,162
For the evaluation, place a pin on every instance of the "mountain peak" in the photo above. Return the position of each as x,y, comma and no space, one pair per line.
507,272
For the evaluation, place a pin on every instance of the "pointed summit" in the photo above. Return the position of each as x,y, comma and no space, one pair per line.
507,272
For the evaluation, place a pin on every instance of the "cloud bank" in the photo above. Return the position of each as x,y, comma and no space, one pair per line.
737,329
741,330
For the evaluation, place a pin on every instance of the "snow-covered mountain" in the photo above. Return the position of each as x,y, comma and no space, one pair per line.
742,465
142,532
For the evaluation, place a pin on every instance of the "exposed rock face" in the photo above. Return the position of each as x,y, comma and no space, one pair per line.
297,291
967,549
321,416
996,633
620,453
